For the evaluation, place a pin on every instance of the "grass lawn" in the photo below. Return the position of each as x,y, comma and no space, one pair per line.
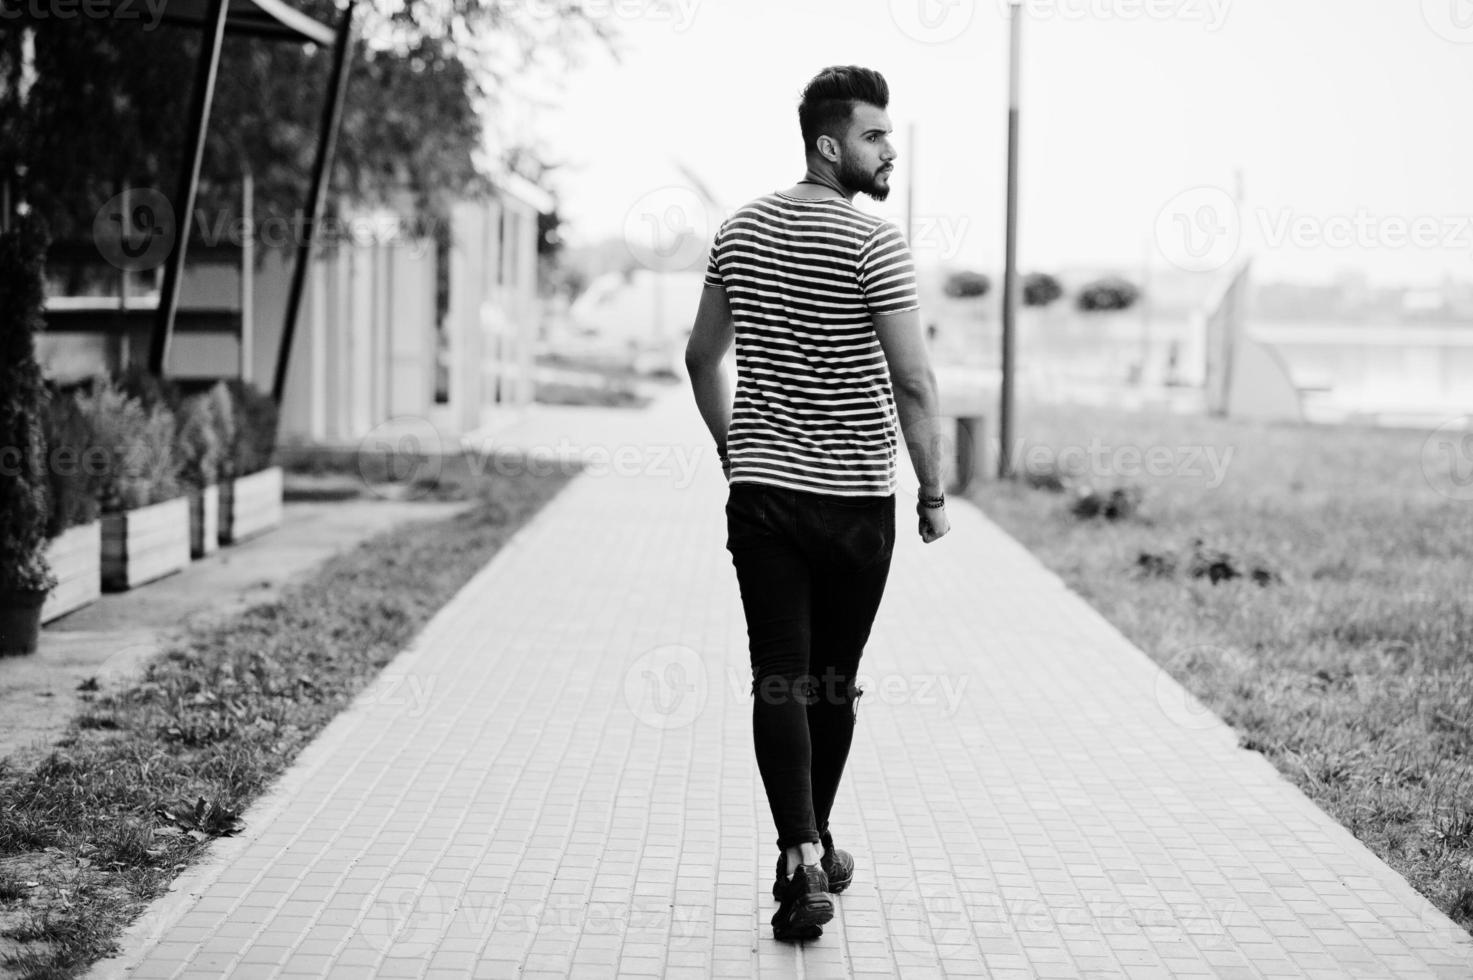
1347,660
93,831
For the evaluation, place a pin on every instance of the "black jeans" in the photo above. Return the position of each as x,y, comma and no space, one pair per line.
812,568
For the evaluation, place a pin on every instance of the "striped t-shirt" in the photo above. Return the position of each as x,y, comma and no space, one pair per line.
814,409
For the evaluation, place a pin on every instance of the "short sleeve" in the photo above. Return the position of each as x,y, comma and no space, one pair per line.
713,270
887,273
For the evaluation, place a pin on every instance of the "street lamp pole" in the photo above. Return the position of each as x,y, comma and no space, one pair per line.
1010,270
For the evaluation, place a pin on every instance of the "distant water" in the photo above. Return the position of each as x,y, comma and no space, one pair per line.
1417,374
1408,373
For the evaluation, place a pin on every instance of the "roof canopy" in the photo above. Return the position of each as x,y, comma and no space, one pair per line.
253,18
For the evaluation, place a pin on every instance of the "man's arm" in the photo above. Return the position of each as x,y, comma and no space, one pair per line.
916,401
709,341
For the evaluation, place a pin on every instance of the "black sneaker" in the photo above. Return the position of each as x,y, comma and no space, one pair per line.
805,906
837,864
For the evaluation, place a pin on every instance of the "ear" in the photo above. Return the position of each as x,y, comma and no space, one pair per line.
829,147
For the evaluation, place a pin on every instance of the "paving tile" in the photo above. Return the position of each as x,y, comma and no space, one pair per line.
1028,795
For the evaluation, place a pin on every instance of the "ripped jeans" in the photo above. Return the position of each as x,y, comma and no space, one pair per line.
812,569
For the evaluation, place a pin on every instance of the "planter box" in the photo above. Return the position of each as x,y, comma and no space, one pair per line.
250,504
204,521
141,545
75,556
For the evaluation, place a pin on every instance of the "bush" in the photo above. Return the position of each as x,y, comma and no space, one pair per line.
254,439
199,446
222,416
1040,289
151,391
1108,295
23,489
1118,504
137,444
73,480
964,285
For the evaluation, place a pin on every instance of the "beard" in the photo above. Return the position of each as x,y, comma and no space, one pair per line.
858,180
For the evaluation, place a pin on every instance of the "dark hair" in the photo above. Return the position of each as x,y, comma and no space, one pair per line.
829,100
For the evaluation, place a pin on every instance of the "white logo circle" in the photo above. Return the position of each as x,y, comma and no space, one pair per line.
1447,458
1199,230
135,229
1179,704
933,21
407,918
666,687
928,912
667,230
404,453
1451,20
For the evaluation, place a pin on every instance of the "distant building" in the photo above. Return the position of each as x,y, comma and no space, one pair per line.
378,336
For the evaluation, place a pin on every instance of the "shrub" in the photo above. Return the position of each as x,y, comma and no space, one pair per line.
137,444
255,417
1040,289
23,489
73,478
151,391
222,417
198,444
964,285
1108,295
1116,505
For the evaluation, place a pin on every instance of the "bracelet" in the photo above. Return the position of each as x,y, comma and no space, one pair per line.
932,502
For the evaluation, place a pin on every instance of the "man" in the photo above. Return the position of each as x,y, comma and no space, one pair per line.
821,301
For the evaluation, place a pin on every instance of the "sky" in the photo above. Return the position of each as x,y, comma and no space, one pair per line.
1316,136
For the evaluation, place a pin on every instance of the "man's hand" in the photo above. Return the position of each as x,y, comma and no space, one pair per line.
933,522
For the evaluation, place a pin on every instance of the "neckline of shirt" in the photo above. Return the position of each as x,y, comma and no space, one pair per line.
813,200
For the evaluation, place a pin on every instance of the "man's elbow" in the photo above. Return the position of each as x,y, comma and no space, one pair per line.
919,384
698,361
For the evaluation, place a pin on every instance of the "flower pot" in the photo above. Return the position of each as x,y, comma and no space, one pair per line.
20,620
204,521
75,556
250,504
145,544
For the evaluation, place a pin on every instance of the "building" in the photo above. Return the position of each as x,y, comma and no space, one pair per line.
380,337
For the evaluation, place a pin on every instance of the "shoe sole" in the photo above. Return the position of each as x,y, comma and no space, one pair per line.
807,919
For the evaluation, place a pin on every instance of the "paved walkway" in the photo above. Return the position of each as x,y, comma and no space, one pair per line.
557,778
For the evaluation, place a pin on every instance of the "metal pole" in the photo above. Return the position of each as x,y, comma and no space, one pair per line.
247,336
910,189
1010,271
332,114
1145,311
203,95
